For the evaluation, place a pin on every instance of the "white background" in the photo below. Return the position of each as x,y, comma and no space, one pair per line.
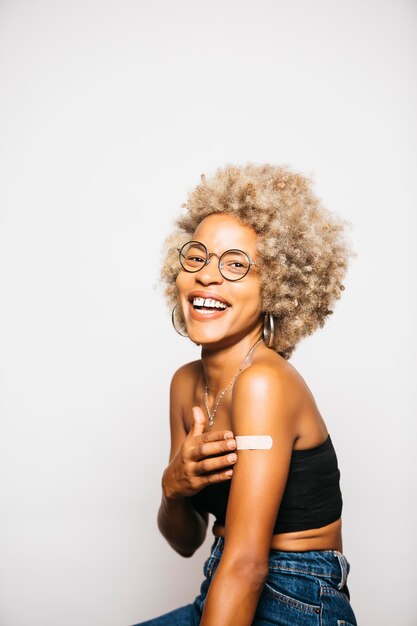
109,113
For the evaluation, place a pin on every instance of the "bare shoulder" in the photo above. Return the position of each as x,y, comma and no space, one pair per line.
273,386
187,373
182,387
270,375
184,384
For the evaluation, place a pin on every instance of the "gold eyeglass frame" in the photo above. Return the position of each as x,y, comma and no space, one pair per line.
209,256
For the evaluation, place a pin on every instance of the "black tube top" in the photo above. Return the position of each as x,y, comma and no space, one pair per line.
311,499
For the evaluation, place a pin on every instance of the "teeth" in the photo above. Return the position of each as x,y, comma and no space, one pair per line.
209,302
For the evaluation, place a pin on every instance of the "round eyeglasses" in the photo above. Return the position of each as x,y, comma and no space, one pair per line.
233,264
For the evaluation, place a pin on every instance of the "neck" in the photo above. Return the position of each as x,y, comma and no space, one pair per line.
222,363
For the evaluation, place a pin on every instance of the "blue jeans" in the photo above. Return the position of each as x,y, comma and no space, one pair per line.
302,589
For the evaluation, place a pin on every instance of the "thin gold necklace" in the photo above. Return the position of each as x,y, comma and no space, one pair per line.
212,415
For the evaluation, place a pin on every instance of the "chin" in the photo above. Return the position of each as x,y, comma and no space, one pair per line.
203,337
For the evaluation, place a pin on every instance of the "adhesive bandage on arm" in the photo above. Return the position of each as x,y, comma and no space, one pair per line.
253,442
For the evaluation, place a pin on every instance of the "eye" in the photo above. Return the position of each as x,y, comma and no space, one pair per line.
236,263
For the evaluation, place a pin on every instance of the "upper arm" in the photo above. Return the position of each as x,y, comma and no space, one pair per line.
180,383
264,403
176,419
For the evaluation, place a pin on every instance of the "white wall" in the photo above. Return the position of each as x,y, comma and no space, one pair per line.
109,112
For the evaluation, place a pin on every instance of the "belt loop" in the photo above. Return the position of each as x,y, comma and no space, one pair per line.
216,547
212,557
218,542
344,568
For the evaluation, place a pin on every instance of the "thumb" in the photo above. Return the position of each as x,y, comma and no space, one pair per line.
199,421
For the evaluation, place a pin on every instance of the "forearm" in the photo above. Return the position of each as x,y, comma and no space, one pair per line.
180,523
233,596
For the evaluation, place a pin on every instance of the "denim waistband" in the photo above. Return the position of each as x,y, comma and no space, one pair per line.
323,563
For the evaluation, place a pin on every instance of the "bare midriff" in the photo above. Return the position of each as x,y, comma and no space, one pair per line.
327,537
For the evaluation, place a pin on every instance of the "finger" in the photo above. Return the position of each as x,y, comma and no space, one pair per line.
217,435
196,429
218,476
199,422
215,477
215,464
212,448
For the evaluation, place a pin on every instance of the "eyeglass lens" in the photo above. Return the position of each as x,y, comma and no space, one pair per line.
234,264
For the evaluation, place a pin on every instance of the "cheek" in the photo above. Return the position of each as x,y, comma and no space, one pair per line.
251,298
257,294
182,283
257,305
257,299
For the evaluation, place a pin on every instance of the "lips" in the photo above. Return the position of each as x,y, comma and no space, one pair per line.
207,295
206,315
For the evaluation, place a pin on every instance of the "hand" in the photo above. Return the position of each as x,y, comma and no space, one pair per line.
201,459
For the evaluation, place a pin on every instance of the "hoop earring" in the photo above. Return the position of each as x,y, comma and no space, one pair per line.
173,322
268,331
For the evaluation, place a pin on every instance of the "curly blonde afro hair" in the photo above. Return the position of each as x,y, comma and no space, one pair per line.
302,253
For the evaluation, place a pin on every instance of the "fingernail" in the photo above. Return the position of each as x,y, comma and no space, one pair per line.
232,457
228,435
229,472
231,443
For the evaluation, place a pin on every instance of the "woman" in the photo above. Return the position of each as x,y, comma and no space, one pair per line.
253,267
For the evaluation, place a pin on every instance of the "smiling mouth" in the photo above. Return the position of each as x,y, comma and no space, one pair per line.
206,310
207,307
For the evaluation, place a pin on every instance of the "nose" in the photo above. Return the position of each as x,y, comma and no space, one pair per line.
210,273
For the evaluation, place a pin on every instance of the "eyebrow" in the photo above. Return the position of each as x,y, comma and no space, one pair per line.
226,249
